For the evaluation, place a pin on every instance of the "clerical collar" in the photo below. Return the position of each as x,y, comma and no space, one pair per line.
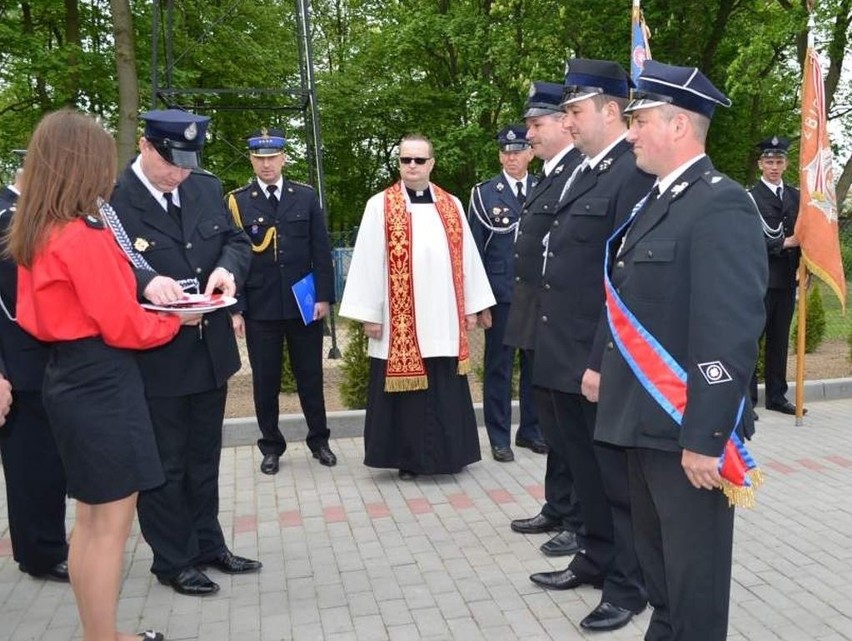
419,196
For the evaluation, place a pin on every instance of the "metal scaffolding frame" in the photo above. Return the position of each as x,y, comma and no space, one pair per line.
304,97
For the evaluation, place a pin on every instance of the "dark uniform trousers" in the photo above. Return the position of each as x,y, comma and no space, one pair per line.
186,379
35,485
679,528
780,305
35,478
265,342
539,211
497,387
290,241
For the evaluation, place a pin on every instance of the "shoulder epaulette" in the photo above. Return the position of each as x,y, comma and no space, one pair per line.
296,183
198,171
240,188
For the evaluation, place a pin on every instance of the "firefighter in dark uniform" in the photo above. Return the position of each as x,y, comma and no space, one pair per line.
289,239
35,478
778,203
493,214
552,142
569,339
691,271
175,217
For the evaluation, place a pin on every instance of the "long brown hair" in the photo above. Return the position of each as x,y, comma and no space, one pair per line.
71,162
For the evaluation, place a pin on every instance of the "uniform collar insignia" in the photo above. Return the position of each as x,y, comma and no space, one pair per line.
676,189
558,170
500,186
604,164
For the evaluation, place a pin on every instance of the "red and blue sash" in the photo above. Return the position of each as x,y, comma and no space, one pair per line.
665,380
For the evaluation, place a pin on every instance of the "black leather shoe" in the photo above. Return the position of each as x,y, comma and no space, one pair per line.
230,563
755,416
536,445
607,616
536,525
58,573
563,580
325,455
785,408
563,544
191,581
269,465
407,475
503,454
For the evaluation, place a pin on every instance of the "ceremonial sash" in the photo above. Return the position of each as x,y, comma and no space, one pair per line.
665,380
405,370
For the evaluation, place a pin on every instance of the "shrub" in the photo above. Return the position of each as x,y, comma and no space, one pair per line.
355,368
288,381
815,324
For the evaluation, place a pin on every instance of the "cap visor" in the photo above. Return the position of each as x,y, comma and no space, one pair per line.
577,97
180,157
534,112
515,146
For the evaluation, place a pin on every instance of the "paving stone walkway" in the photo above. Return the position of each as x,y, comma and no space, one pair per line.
353,554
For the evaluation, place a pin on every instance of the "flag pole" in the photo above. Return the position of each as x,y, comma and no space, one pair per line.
802,308
801,329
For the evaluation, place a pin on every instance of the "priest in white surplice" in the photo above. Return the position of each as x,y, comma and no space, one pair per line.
416,282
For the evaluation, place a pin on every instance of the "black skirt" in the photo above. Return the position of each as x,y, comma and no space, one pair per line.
95,401
431,431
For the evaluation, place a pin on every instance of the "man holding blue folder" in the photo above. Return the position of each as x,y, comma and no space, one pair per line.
289,289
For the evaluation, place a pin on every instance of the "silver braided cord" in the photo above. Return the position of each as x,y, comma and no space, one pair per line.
136,259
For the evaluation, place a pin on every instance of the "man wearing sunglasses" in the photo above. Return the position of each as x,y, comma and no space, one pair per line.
416,282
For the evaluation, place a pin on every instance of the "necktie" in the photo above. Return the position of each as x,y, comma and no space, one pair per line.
581,169
519,189
172,209
272,197
779,192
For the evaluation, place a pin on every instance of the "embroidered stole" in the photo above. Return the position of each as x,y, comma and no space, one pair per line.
406,371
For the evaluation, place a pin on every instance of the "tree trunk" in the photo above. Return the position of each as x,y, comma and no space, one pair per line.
128,86
72,42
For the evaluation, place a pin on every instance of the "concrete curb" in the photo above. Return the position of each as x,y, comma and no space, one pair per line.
350,423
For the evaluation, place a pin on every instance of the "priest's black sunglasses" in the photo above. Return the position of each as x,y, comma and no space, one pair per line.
406,160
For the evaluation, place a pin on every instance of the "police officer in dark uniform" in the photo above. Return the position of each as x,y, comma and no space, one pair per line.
35,478
174,214
493,214
569,339
778,203
552,142
691,272
289,239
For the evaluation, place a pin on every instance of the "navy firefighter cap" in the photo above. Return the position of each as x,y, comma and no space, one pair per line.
544,98
684,87
774,146
513,138
177,135
585,78
266,142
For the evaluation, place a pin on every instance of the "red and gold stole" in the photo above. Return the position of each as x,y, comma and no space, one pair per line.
405,369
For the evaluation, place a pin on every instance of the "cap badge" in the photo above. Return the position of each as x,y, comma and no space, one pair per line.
510,135
191,132
140,244
775,141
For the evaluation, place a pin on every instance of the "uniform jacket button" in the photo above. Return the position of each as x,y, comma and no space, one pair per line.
517,279
620,264
547,285
556,223
544,319
189,245
610,346
550,254
650,254
197,270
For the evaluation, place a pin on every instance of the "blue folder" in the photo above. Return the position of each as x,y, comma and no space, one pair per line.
305,292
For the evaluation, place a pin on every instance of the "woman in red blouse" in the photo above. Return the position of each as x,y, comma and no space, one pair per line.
76,291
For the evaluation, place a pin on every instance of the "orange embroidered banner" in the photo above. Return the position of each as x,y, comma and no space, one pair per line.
816,227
